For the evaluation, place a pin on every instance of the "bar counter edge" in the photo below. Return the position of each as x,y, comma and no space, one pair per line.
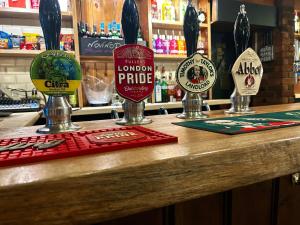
99,187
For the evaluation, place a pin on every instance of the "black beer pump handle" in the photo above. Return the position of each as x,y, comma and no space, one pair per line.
130,22
241,31
50,19
191,29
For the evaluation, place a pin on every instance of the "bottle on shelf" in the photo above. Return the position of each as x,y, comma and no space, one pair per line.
94,33
178,93
173,44
81,29
166,44
171,87
154,10
164,85
102,34
88,32
168,11
159,45
157,92
181,45
164,90
154,43
297,23
109,29
184,45
157,87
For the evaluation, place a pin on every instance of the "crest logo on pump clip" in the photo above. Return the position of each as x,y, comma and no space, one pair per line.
196,74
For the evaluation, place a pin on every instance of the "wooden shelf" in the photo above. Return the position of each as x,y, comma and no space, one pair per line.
22,13
169,57
20,53
297,36
172,25
85,58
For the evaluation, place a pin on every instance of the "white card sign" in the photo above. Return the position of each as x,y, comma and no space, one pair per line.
247,73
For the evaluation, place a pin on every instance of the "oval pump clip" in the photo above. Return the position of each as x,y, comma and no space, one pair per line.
196,74
54,72
247,70
134,69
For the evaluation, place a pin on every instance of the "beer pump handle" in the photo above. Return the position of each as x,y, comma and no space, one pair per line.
50,19
130,22
191,29
241,31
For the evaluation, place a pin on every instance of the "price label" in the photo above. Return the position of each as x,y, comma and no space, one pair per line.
55,72
134,72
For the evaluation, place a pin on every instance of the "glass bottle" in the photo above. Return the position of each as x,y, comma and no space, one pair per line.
166,44
180,45
297,22
173,45
159,45
109,29
157,93
171,87
154,42
102,30
154,10
168,11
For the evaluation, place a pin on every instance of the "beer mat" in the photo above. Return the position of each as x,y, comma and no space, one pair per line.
246,124
17,151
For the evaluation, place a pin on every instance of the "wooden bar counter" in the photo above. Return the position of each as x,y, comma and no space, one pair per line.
99,187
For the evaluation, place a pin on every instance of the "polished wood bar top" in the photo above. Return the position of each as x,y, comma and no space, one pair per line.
98,187
16,120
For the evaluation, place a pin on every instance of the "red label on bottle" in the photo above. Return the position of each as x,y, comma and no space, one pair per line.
134,72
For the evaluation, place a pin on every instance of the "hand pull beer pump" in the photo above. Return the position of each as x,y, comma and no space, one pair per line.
240,103
54,72
134,69
196,74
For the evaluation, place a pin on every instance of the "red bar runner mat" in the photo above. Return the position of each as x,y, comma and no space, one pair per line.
24,150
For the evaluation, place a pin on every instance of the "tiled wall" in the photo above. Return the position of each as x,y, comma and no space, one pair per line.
14,73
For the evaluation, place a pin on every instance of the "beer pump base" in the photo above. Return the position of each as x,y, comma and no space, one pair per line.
233,111
192,107
193,116
239,104
58,129
58,116
143,121
133,114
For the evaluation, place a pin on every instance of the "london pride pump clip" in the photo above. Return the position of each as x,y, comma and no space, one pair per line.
134,69
196,74
54,72
247,70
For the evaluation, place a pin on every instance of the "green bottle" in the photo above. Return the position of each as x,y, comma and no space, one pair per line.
164,90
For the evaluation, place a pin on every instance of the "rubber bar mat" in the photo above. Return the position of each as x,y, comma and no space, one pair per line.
24,150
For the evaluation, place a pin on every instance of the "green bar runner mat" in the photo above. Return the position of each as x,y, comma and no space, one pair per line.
246,124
